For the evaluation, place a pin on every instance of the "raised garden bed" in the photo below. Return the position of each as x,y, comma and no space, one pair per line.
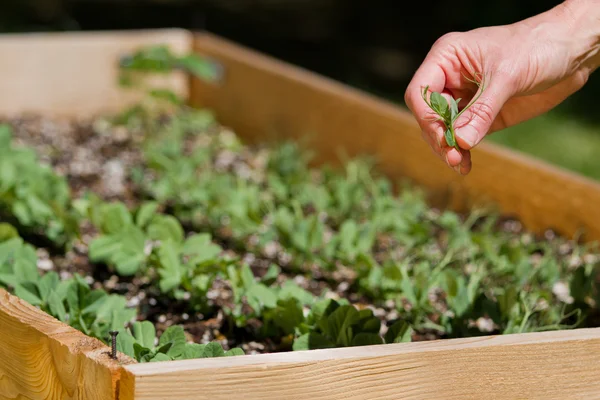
215,233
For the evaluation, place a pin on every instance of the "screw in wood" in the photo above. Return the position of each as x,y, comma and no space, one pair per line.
113,335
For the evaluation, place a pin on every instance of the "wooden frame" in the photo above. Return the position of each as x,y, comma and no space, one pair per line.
73,74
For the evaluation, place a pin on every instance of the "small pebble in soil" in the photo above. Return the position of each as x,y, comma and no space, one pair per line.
484,324
343,287
45,264
133,302
152,301
113,178
562,292
590,259
392,315
575,261
64,275
378,312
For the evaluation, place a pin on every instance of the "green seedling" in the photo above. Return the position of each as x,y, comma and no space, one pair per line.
447,110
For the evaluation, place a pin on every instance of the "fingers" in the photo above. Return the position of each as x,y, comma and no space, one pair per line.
429,74
476,122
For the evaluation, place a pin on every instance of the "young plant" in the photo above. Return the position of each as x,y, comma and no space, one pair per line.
278,306
72,301
140,343
339,324
32,195
447,110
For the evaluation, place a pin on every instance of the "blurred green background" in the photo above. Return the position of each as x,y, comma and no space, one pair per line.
374,45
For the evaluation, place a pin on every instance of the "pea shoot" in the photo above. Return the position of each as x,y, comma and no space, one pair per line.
447,110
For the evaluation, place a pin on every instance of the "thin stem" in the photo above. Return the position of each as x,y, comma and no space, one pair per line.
480,87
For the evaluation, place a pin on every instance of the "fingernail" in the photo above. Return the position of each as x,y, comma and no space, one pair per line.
457,169
468,134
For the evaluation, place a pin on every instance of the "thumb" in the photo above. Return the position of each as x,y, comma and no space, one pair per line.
475,123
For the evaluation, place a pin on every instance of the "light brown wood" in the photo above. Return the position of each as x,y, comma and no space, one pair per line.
44,359
552,365
76,74
264,99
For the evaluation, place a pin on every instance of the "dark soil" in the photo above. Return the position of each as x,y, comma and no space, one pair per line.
95,157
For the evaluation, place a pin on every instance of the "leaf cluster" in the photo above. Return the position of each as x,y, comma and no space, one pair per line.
140,342
332,324
447,111
32,195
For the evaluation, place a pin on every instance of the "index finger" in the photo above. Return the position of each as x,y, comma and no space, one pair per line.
429,74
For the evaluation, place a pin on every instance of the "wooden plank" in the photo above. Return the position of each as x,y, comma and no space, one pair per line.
551,365
43,359
76,74
263,98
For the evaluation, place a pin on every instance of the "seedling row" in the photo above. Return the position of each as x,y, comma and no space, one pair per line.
162,224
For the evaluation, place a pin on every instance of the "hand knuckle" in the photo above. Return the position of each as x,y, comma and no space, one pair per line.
447,39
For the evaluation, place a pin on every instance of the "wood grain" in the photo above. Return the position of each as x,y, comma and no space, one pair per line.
76,74
265,99
552,365
44,359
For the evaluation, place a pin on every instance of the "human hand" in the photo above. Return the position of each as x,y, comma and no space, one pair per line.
530,67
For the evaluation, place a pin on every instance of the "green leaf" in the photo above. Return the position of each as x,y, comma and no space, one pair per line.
120,318
454,108
399,332
28,292
200,249
141,353
127,264
46,284
236,351
5,135
271,275
439,104
170,270
312,341
103,247
192,350
290,290
145,213
160,357
125,343
115,217
339,324
449,138
7,231
144,333
166,94
165,227
366,339
259,296
175,335
287,315
199,67
56,306
213,349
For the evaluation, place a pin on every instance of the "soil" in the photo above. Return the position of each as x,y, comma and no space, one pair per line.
95,157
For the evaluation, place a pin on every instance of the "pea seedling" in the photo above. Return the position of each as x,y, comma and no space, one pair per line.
447,111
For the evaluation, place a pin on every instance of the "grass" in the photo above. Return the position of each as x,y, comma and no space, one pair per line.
556,138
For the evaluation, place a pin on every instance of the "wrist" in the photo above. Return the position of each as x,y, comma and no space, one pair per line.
581,19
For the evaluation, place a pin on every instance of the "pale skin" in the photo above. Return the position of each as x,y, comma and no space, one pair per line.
530,67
